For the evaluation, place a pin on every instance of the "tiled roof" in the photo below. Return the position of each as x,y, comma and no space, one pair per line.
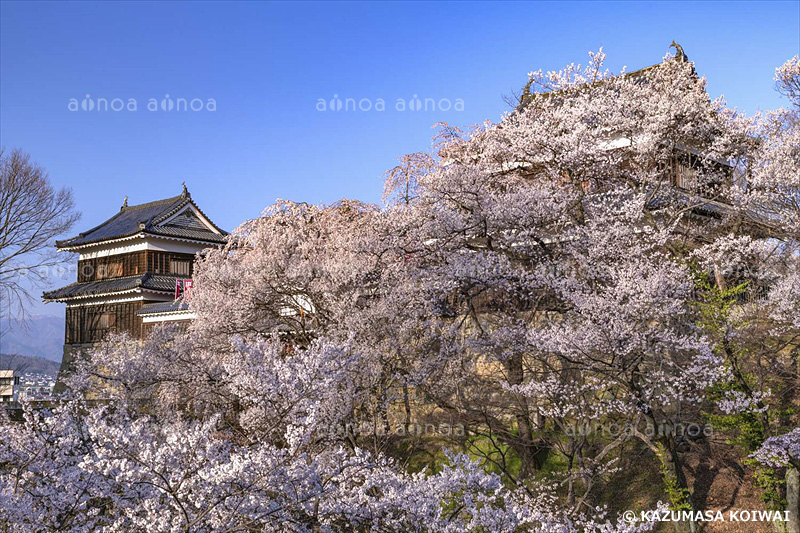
153,282
147,218
183,233
164,307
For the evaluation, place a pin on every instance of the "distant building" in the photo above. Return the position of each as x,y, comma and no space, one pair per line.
34,386
8,386
132,269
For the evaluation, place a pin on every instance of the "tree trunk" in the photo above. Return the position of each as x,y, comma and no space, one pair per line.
406,405
793,499
676,484
719,277
529,452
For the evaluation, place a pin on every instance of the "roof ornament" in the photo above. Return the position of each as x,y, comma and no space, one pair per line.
124,204
526,91
680,55
185,192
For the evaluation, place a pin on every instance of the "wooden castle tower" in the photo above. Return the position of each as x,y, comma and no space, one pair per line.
129,268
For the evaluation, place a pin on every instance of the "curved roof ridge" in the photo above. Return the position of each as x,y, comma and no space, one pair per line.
155,202
132,219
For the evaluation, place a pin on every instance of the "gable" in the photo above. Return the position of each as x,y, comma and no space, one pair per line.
186,219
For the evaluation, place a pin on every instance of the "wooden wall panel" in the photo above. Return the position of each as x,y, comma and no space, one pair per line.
92,323
113,266
162,262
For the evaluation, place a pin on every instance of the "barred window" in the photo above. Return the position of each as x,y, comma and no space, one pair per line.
179,267
111,269
107,320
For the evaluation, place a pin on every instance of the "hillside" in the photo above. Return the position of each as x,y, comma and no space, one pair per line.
39,336
32,364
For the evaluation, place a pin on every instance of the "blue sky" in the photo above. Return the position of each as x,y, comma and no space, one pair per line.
266,65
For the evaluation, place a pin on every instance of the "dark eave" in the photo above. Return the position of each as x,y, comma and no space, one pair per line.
145,282
163,307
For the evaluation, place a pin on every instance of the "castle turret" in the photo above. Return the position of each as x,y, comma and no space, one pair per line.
131,270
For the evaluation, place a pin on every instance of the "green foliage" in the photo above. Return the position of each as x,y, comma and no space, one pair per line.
495,456
678,496
554,463
713,304
770,483
744,429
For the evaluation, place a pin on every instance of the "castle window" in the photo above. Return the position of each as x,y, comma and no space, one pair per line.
107,320
112,269
685,176
179,267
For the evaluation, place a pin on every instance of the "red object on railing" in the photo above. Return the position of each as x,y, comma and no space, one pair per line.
183,287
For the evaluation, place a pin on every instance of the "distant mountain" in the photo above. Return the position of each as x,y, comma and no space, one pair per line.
39,336
25,363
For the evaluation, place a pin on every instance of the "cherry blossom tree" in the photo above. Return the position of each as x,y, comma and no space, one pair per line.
557,254
759,340
568,283
547,244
